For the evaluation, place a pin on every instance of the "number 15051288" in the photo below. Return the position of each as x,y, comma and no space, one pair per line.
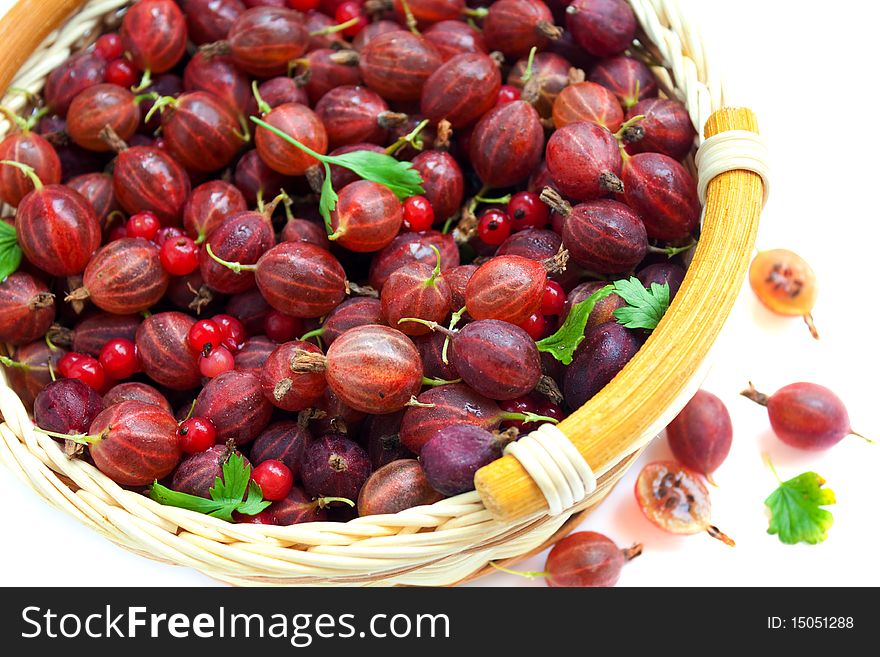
810,623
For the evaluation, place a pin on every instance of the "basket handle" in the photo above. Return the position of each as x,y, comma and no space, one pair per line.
623,417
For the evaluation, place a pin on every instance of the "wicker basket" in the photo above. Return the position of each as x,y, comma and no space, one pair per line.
525,500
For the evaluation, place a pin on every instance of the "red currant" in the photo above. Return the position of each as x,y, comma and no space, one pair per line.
119,358
204,336
346,12
109,46
508,94
143,224
167,233
274,478
527,210
303,5
494,227
418,214
519,405
179,256
535,326
117,234
82,367
554,299
196,434
548,409
233,331
280,328
120,72
217,362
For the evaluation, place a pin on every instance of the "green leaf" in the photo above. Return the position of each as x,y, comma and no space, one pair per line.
399,177
795,510
562,344
645,308
254,502
231,488
329,198
10,251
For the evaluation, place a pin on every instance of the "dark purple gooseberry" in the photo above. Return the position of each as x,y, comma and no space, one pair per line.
97,189
601,357
455,453
67,406
396,64
317,24
664,194
516,26
601,27
584,161
461,90
167,84
382,434
209,205
351,313
339,416
250,308
430,348
507,144
72,76
164,353
396,487
497,359
627,78
263,40
413,247
305,230
254,354
443,182
326,69
190,293
297,507
281,90
286,386
209,20
29,372
454,37
354,115
255,179
241,238
132,391
666,129
27,309
663,273
196,473
457,278
282,441
219,76
92,333
551,73
701,435
566,46
234,402
334,466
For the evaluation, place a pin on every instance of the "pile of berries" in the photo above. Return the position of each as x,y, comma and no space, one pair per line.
202,275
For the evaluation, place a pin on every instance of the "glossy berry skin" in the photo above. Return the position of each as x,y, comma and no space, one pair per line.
131,391
418,214
382,433
33,150
585,559
443,182
119,359
494,227
461,90
97,189
550,75
301,280
526,210
508,288
209,20
784,282
209,205
232,330
664,194
413,247
535,326
395,487
602,312
68,79
457,278
430,348
163,351
600,358
496,359
601,27
584,161
554,299
252,176
204,335
367,217
701,435
122,73
296,508
302,124
274,478
242,238
454,454
508,94
351,313
374,369
138,443
154,34
666,129
149,179
281,90
605,237
216,362
663,273
587,101
234,402
219,76
92,333
143,224
179,256
126,276
454,37
515,26
201,132
808,416
352,115
284,442
304,230
100,106
415,291
195,435
84,368
66,406
197,472
347,11
507,144
327,69
284,385
28,381
280,327
627,78
264,39
427,12
334,466
57,230
27,309
396,65
254,353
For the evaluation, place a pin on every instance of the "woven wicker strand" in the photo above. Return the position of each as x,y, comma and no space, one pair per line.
444,543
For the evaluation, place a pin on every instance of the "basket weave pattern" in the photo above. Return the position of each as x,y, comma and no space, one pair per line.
440,544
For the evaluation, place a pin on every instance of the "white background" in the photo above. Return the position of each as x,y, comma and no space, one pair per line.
809,70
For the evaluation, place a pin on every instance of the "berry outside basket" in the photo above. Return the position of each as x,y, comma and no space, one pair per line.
526,500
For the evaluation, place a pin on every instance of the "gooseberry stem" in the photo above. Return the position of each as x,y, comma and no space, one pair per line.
262,106
333,29
808,318
27,170
236,267
415,403
427,381
433,279
434,326
501,200
528,418
159,105
317,333
456,318
627,125
146,81
865,438
8,362
479,12
411,22
716,533
411,138
528,72
79,438
323,502
671,251
754,395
